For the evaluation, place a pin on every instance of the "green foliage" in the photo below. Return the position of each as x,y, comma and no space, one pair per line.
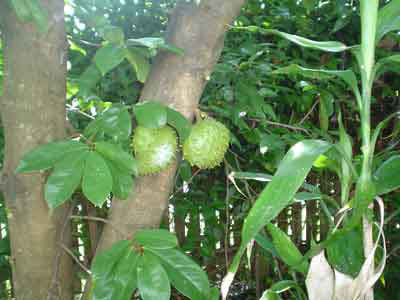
287,250
150,263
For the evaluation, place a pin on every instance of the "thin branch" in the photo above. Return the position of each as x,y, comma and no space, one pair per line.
75,259
70,107
282,125
99,220
309,112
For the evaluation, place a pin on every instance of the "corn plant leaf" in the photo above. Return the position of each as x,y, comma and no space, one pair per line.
185,275
387,176
65,178
47,155
287,250
388,19
279,193
328,46
97,179
153,282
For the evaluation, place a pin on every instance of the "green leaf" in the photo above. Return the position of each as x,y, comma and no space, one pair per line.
149,42
113,34
388,19
286,250
88,79
122,181
387,176
65,178
139,62
114,272
153,281
97,179
150,114
279,193
180,123
270,295
115,122
329,46
47,155
109,56
185,275
156,239
346,253
265,243
122,160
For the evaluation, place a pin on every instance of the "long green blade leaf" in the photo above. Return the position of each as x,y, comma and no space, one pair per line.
277,195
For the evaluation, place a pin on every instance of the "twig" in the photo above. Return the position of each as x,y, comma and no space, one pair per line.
188,182
75,259
98,219
69,106
309,112
283,125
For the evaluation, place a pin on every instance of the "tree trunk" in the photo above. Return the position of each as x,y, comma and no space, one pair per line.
177,81
33,113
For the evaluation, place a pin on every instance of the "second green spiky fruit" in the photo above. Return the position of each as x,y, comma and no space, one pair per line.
154,148
207,144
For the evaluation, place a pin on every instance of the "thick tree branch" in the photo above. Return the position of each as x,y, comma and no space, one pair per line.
177,81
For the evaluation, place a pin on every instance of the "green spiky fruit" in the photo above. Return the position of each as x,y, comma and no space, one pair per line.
207,143
154,148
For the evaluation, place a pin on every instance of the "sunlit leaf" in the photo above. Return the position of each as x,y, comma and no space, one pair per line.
65,178
114,272
151,114
109,56
97,179
287,250
122,159
279,193
153,282
185,275
156,239
388,19
47,155
139,62
387,176
329,46
180,123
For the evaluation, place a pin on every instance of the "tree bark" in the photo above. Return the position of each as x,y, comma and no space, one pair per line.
177,81
33,113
